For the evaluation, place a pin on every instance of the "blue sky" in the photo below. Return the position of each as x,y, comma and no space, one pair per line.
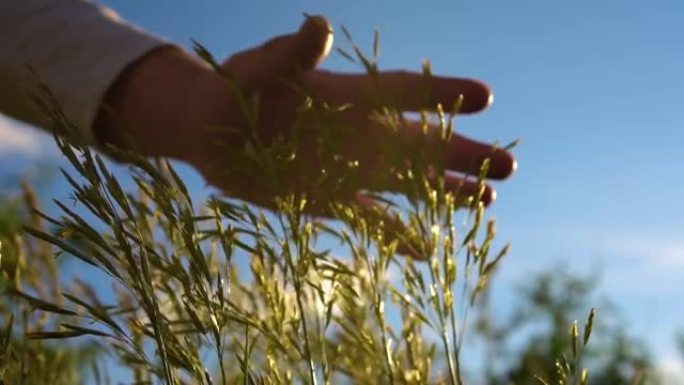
593,89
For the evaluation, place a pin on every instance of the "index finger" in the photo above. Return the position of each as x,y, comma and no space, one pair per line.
405,91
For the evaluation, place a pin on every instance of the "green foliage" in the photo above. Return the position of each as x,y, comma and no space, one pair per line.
29,265
554,352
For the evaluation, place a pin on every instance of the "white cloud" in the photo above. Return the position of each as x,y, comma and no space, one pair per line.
642,270
658,251
17,138
671,370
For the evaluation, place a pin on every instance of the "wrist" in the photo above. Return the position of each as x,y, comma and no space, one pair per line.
162,104
212,108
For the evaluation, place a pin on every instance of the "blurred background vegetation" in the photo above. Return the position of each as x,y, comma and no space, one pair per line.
521,347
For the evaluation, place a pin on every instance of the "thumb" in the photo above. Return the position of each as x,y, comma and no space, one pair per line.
285,56
314,40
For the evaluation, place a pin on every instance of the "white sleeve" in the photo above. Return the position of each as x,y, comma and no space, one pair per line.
77,49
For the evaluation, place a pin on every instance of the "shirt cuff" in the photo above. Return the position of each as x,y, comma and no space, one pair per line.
78,49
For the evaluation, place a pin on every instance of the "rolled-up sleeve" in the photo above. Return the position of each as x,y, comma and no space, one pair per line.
77,49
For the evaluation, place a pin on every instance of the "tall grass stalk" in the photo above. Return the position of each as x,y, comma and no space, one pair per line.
226,290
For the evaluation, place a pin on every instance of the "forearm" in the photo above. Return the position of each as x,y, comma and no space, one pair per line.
160,103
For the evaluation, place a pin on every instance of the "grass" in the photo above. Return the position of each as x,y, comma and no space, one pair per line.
221,292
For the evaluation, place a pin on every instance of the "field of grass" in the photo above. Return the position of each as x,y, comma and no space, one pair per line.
222,292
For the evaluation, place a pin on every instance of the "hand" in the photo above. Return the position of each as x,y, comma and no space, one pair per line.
170,104
267,71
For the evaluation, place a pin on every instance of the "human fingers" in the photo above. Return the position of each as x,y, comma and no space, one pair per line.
284,56
467,156
463,154
393,227
457,154
462,188
405,91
